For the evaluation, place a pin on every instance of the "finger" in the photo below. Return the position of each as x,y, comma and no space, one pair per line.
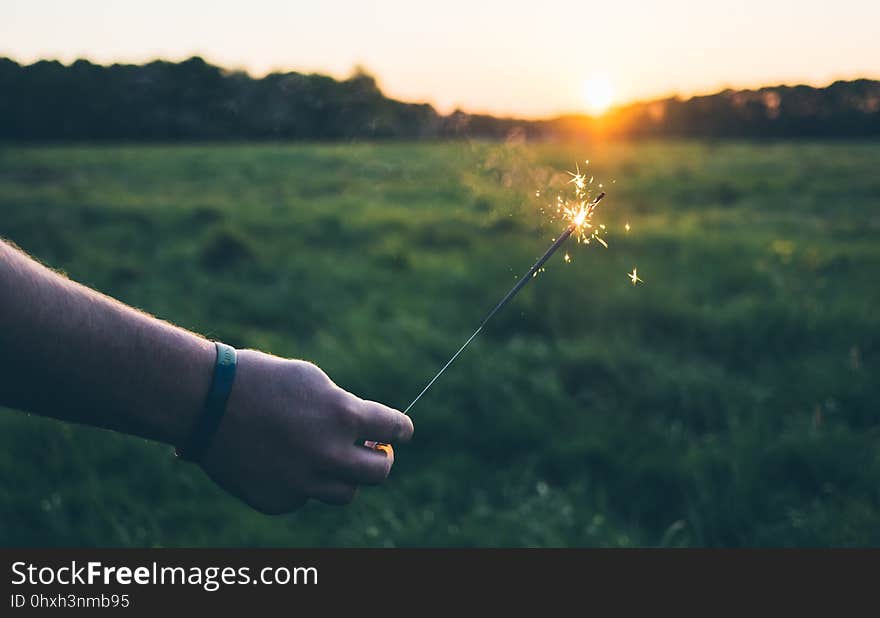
364,465
380,423
294,505
334,492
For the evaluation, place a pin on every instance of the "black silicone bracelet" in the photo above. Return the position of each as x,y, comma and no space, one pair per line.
215,405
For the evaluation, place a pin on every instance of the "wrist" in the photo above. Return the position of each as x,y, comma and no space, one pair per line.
201,435
196,364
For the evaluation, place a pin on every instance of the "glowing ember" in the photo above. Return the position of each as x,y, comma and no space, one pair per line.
578,210
634,276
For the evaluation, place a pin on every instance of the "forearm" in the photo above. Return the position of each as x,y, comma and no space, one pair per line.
74,354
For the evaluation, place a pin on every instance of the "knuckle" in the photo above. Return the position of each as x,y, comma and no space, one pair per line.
347,410
314,373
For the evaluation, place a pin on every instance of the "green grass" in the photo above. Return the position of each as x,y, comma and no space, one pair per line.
731,400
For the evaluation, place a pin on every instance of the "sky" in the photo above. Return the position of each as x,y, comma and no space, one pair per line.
529,59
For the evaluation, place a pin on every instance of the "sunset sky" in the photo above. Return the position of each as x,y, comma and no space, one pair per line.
528,59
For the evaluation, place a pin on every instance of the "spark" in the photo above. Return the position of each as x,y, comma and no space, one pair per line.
626,227
567,258
634,276
578,211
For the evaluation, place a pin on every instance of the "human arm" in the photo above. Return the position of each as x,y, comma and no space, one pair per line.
289,433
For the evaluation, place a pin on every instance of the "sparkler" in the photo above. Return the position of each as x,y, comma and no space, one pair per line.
578,215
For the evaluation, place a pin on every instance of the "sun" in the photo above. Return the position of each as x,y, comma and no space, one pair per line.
598,94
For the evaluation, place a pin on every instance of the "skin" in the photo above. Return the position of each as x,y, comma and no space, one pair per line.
289,432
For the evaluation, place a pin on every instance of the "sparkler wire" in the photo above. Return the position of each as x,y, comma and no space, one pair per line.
507,298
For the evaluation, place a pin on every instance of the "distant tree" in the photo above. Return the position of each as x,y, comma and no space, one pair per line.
196,100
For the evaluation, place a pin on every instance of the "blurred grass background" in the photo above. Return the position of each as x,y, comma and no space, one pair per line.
730,400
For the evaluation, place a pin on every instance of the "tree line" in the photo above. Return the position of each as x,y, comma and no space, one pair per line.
194,100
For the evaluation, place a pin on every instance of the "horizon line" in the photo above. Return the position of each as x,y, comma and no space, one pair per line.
356,68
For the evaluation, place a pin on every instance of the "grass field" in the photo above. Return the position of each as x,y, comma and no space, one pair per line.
733,399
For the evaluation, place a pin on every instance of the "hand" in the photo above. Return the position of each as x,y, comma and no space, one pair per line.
289,434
